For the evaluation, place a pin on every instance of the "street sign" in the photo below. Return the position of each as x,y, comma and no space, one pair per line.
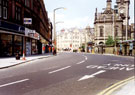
27,20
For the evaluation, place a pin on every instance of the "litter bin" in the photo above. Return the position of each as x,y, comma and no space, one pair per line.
17,56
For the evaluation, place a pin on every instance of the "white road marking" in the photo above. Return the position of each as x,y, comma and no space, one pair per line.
126,67
81,62
13,83
91,76
59,70
86,58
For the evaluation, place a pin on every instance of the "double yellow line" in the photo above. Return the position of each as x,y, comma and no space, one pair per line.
114,87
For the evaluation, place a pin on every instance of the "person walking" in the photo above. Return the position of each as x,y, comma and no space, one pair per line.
130,49
120,51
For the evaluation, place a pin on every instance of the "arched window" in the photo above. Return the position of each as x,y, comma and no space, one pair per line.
101,43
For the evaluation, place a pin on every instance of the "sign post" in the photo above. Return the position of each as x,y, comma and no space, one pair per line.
26,21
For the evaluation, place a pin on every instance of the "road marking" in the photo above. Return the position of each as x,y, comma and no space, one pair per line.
86,58
81,62
114,87
126,67
13,83
59,69
91,76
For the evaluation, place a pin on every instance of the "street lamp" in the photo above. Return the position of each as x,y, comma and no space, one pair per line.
87,30
104,28
54,25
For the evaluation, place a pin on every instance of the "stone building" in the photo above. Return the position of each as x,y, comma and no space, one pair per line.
74,38
112,22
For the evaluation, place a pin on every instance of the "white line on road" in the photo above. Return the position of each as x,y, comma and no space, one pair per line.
59,69
81,62
13,83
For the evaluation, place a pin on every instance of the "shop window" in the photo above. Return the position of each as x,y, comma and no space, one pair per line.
6,45
34,47
17,45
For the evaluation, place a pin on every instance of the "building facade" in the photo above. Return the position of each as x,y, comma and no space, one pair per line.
112,22
24,24
74,38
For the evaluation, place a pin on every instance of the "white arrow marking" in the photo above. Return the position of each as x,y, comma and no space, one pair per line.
91,76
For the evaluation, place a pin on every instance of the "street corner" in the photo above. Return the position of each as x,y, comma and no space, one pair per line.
124,87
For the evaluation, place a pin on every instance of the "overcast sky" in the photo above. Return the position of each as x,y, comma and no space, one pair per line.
78,13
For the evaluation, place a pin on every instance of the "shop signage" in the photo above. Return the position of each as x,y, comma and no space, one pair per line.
27,20
12,27
31,33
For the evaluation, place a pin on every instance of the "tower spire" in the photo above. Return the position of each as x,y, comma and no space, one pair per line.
96,14
109,4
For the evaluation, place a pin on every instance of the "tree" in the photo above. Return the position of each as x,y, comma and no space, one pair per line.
110,41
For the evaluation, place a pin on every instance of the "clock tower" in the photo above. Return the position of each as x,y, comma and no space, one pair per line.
123,9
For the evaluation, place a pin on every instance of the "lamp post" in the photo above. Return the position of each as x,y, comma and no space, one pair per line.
54,25
104,28
87,30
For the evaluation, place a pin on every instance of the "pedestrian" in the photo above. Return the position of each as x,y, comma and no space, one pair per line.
120,51
130,49
54,51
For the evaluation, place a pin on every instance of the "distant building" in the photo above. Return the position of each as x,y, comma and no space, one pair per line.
24,25
112,22
73,39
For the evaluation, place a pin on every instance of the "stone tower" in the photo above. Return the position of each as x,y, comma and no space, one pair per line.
109,4
123,9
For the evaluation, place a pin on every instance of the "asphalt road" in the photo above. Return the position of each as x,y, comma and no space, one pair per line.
66,74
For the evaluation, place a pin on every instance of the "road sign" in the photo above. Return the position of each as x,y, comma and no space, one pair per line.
27,20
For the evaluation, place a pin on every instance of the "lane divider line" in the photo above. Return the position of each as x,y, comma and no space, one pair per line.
81,62
8,84
59,69
114,87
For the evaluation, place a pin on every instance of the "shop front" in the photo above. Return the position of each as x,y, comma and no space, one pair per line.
11,39
34,47
6,45
31,38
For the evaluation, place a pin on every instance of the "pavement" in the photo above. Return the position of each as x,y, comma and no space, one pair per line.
9,62
125,87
